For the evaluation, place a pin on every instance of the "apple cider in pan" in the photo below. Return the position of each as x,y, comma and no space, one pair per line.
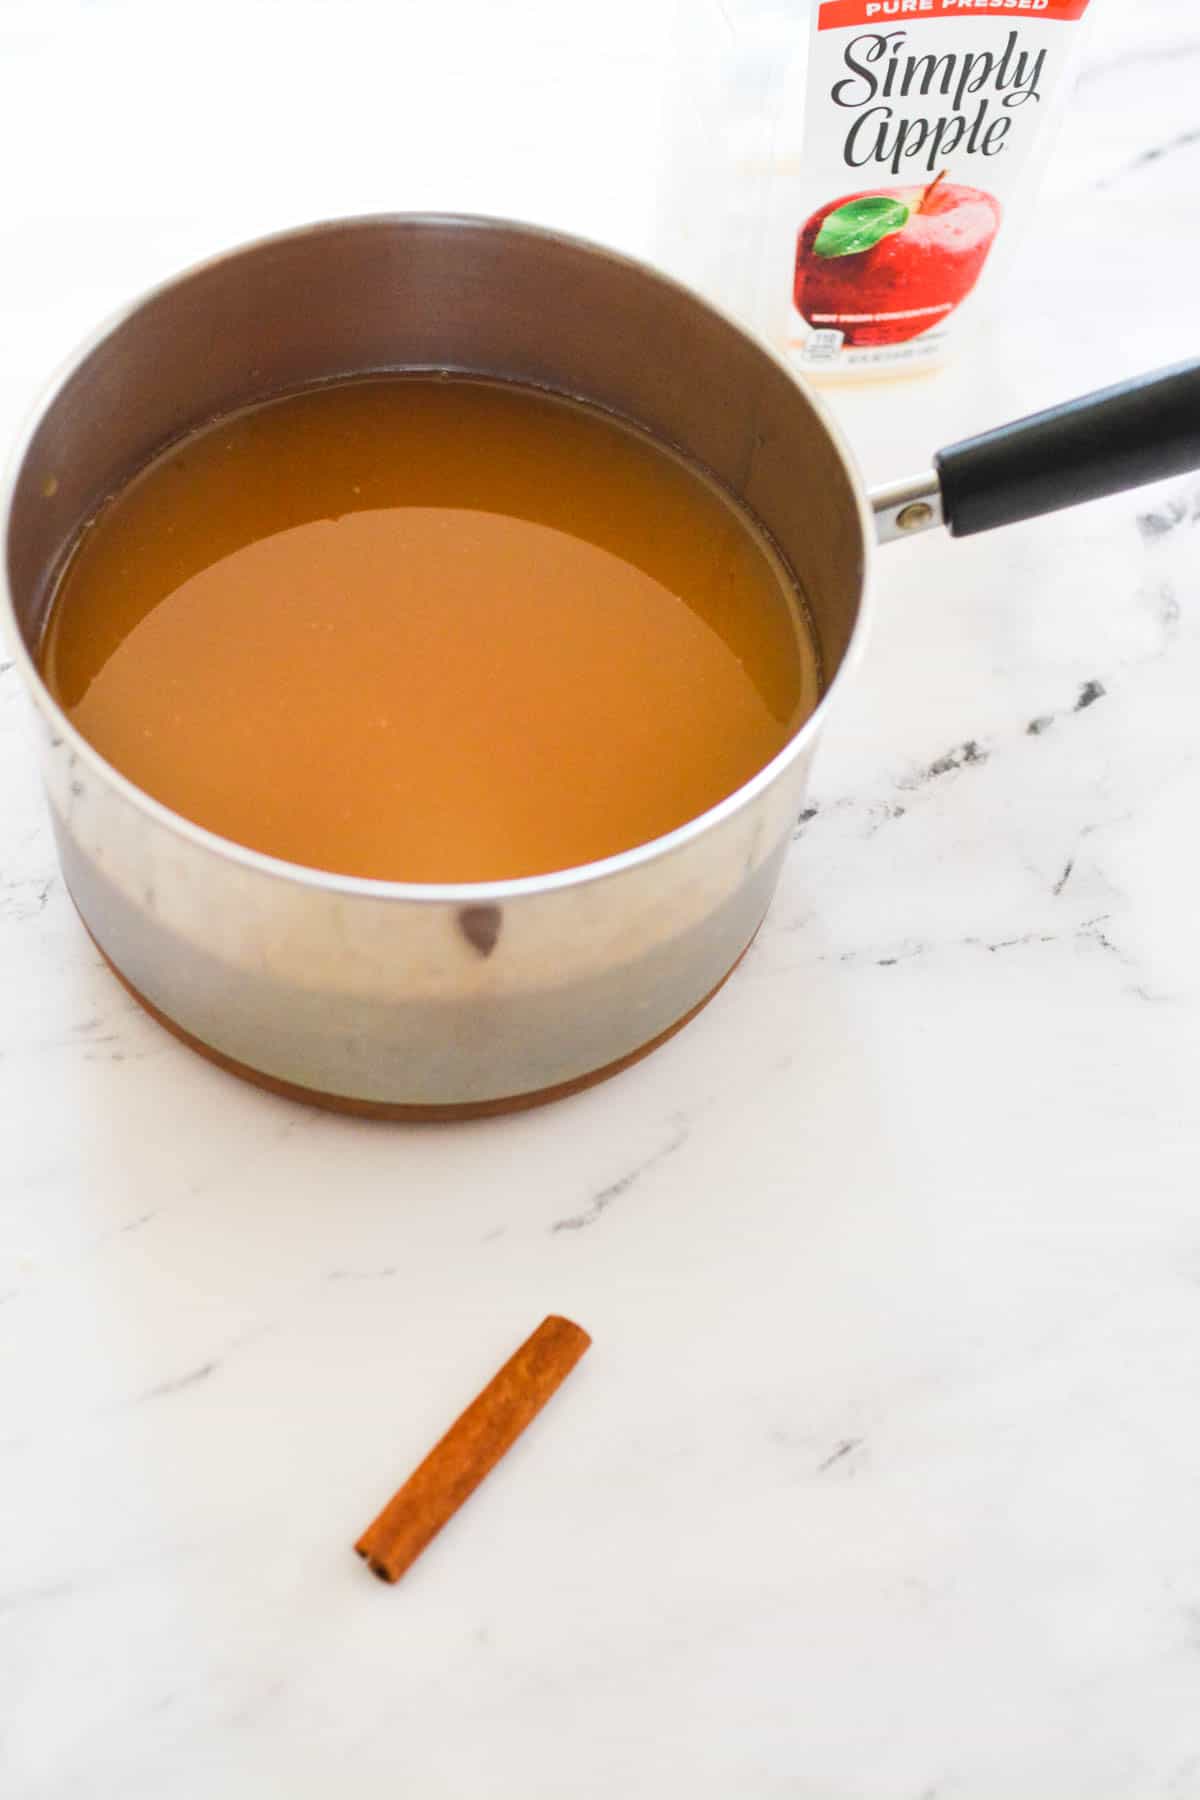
429,629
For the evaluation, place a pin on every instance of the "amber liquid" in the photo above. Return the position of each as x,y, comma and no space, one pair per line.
429,629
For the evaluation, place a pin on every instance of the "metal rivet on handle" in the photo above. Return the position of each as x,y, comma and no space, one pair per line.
915,517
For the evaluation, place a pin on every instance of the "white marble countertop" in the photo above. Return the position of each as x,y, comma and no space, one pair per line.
881,1481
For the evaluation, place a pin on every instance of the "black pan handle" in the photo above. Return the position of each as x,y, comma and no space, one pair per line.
1138,431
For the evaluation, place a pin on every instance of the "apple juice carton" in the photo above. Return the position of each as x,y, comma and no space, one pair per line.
926,126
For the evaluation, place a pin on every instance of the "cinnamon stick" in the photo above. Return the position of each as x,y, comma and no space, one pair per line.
471,1448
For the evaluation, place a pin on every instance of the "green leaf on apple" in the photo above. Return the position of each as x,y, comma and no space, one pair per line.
860,225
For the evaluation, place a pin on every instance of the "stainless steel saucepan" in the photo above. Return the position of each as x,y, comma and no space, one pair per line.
382,996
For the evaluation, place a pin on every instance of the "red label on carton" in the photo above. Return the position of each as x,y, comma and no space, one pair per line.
837,13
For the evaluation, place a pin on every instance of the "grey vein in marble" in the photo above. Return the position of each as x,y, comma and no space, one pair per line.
971,753
600,1202
1087,931
1158,524
25,897
383,1274
846,1448
1167,610
176,1383
1183,140
1089,693
202,1371
1148,55
968,755
136,1224
14,1599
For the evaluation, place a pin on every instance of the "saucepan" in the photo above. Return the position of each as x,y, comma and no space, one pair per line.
404,1000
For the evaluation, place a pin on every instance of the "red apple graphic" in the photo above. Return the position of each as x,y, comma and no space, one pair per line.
886,264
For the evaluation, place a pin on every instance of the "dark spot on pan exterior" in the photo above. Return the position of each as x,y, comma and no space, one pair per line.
480,925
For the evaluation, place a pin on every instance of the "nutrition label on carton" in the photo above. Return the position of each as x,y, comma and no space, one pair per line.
927,122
